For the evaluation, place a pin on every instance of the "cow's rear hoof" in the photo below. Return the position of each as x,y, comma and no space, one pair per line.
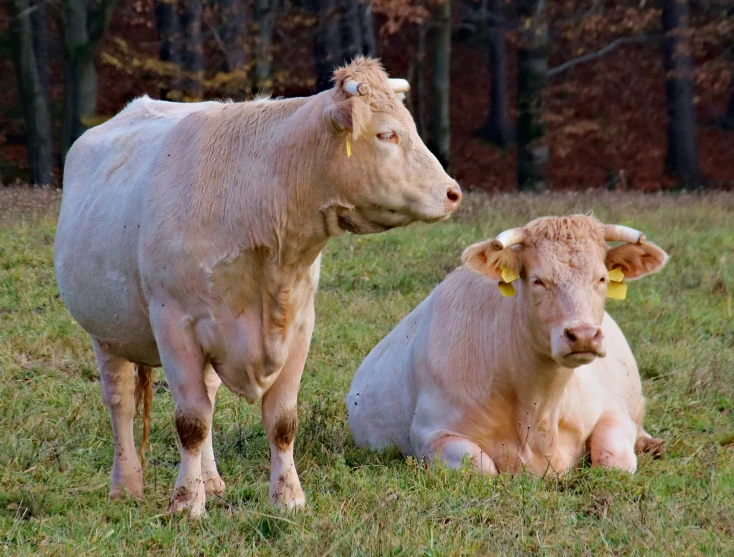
122,492
214,485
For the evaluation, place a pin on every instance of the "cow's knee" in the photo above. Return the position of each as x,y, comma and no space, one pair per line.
452,450
284,429
613,444
192,430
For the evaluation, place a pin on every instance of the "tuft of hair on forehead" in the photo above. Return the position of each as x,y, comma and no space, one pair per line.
564,229
368,70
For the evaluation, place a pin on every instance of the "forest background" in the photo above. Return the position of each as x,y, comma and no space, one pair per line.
529,94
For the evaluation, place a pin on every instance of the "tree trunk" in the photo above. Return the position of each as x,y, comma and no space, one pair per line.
265,12
682,159
233,21
729,116
169,33
351,29
327,42
418,93
532,77
366,19
497,129
30,49
440,140
83,26
193,52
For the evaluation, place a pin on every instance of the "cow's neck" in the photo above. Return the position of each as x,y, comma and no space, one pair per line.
266,190
538,384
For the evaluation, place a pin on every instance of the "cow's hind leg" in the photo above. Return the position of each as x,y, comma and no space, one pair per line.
118,391
612,443
183,363
280,419
213,483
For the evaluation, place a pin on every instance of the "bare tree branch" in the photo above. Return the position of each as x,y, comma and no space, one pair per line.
599,53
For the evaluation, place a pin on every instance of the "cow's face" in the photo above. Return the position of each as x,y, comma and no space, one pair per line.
563,266
383,173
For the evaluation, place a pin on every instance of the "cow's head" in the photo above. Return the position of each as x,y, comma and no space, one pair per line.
383,173
563,265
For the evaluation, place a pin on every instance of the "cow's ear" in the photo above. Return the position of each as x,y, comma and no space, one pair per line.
485,259
350,116
636,260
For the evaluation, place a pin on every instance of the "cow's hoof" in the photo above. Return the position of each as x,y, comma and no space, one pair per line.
214,485
650,445
126,489
289,499
188,501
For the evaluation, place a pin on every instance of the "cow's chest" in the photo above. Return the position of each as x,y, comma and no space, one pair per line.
539,447
248,337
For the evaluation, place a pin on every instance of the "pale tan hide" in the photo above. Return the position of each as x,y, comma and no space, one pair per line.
190,236
529,382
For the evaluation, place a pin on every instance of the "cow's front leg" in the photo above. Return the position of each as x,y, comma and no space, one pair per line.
183,363
451,451
213,483
612,443
280,418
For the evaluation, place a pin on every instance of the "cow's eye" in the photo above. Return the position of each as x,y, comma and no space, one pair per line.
603,280
388,136
538,282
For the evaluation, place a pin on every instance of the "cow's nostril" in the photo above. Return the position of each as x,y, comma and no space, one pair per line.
453,193
570,336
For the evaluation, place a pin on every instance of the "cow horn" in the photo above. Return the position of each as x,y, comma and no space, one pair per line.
356,88
508,238
399,85
619,233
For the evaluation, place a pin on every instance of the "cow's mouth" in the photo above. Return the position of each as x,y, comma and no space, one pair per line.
576,359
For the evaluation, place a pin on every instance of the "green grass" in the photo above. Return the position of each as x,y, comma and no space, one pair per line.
56,439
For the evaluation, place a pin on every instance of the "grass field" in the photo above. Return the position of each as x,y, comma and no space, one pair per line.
56,438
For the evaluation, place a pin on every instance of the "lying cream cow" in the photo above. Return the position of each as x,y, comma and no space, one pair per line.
533,375
190,235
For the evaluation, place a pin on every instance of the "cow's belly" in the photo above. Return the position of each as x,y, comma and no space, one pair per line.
97,272
109,306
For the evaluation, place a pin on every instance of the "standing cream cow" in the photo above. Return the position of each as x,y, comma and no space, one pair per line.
531,375
190,235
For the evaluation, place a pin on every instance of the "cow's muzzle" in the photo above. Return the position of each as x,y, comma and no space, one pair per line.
578,344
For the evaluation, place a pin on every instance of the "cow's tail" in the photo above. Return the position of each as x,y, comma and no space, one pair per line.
144,394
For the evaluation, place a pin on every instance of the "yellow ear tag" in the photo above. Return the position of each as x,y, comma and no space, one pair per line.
506,289
349,148
616,290
508,276
616,275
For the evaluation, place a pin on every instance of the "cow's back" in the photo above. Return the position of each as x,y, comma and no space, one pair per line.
108,177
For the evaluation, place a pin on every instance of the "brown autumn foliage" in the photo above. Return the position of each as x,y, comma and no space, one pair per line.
606,118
